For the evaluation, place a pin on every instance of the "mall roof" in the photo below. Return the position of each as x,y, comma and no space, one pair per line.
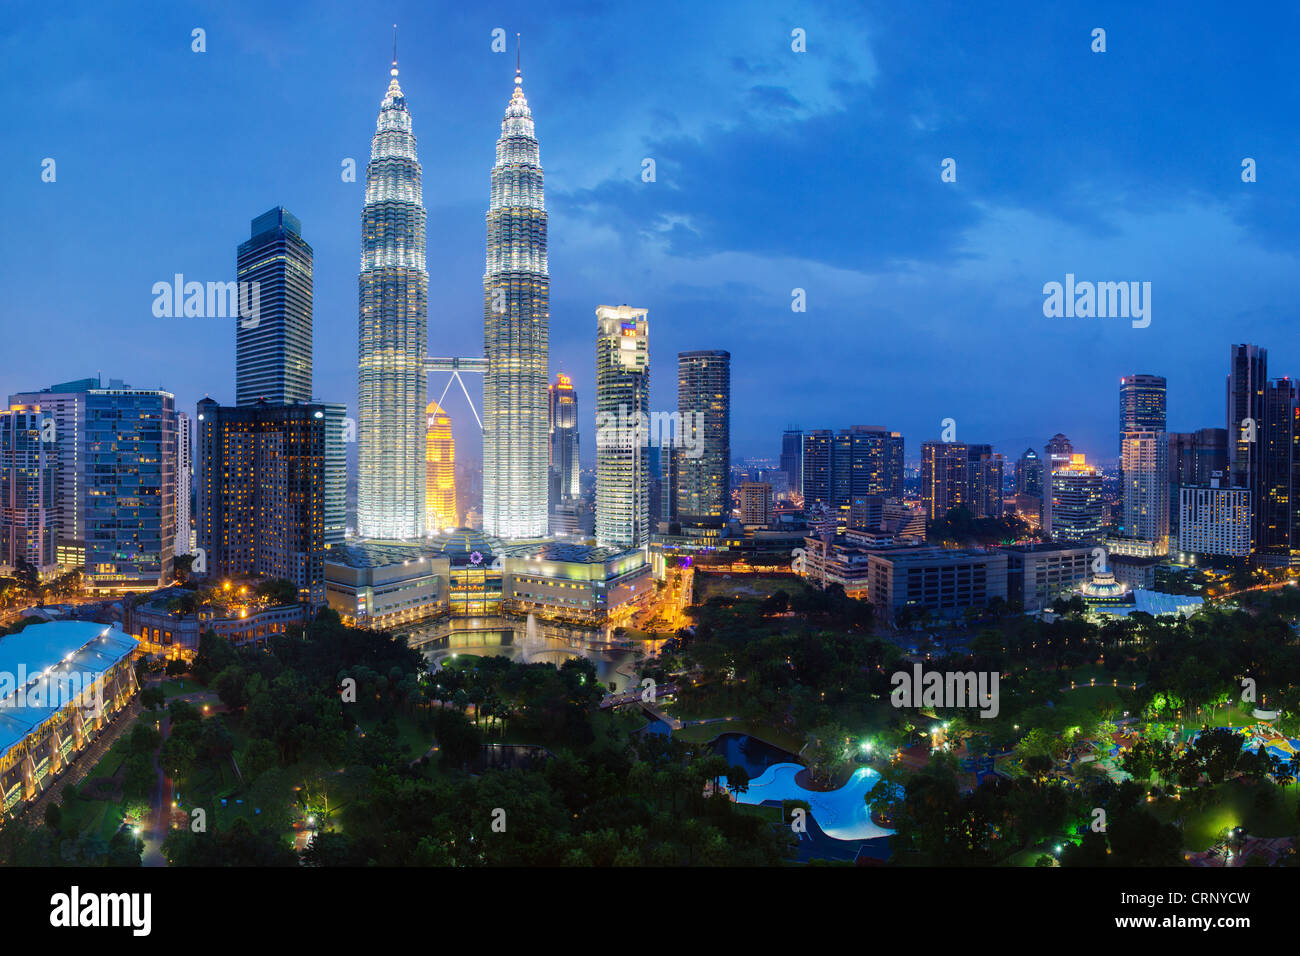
79,647
1154,603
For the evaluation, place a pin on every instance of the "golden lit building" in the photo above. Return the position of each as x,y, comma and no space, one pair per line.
440,472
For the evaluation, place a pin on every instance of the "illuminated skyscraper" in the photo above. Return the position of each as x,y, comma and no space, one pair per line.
27,483
1075,510
1141,405
440,472
562,406
945,483
261,500
516,333
184,482
393,290
1146,487
622,427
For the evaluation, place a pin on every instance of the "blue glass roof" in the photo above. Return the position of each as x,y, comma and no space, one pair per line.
72,647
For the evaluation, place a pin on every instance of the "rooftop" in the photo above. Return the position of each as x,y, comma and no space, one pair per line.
60,647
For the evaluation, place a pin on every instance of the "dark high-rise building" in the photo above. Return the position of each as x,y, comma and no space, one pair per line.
1246,383
1141,404
1057,453
840,466
792,458
273,346
817,465
562,417
655,463
1278,537
944,477
1029,474
1194,457
704,458
261,501
393,338
984,472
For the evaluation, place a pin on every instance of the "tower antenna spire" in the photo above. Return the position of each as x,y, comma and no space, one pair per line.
518,51
394,44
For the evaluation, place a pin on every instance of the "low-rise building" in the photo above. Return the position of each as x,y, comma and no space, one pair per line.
1037,574
166,623
943,581
468,574
61,683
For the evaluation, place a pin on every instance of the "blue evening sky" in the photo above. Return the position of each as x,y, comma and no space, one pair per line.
776,170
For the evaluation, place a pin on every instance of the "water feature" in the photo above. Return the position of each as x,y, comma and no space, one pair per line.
742,750
529,641
842,814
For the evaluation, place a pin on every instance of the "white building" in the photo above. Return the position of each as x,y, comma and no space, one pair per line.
622,425
1146,488
184,482
1214,520
516,334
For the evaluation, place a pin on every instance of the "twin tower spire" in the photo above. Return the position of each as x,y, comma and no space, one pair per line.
393,331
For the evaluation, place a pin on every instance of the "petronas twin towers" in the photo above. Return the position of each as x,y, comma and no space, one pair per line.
394,333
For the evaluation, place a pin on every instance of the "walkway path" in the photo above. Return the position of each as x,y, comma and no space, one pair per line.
84,762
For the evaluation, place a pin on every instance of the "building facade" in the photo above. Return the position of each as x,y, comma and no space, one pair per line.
622,427
1146,488
562,422
1278,518
945,482
1246,386
703,458
273,347
261,502
1075,510
755,504
184,483
792,458
440,465
1037,574
516,337
28,470
1215,519
393,331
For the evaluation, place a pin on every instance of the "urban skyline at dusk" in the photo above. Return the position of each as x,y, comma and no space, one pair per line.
900,295
753,435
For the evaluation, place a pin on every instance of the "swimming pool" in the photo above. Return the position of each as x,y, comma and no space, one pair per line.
841,813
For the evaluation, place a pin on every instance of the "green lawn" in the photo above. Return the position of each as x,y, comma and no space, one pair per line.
743,586
409,735
1234,806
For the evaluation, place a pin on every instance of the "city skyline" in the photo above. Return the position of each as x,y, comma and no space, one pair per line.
687,268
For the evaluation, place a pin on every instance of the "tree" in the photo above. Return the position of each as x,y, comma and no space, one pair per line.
152,698
826,751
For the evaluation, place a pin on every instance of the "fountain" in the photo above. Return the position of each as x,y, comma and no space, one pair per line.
533,644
